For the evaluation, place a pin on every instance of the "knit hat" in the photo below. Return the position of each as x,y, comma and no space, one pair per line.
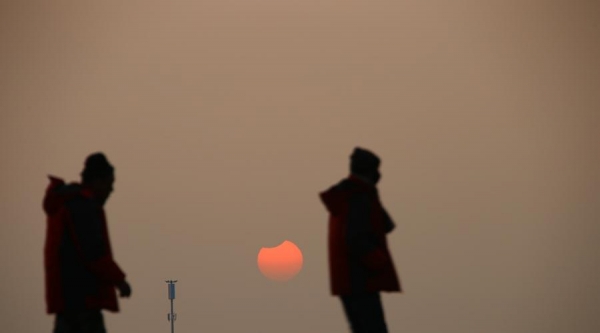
96,166
363,160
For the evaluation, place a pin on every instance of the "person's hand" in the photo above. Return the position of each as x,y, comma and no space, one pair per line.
124,289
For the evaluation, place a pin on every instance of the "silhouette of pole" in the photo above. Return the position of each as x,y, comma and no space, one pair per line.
171,316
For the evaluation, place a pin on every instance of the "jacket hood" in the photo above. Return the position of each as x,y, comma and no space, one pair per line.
337,195
333,199
58,192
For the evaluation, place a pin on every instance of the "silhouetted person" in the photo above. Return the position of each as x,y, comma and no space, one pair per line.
359,260
81,275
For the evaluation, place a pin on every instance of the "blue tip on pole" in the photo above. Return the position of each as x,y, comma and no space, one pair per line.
171,291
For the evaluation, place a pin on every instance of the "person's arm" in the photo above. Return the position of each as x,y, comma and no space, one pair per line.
88,231
389,223
360,237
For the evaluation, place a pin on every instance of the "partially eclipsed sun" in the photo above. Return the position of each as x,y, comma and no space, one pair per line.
280,263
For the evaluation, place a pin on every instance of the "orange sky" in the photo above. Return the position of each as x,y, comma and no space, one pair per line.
224,119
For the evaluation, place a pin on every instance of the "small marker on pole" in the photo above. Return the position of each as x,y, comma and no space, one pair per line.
171,316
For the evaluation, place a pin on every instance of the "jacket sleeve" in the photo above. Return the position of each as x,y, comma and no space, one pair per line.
360,238
88,230
389,223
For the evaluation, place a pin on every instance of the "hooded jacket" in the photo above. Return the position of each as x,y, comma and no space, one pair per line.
359,258
80,272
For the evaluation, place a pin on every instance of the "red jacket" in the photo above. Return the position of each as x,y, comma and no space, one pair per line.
359,259
80,270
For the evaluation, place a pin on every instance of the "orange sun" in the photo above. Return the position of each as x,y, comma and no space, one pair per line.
280,263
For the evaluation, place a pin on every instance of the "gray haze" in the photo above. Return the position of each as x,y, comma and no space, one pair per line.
224,119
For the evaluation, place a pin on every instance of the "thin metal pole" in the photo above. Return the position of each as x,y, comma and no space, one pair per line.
172,319
171,316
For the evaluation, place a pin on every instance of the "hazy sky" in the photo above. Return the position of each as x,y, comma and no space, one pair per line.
224,119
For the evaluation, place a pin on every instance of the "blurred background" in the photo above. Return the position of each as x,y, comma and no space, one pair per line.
225,119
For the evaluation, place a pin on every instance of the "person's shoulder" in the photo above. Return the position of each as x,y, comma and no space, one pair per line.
347,188
354,191
79,199
348,184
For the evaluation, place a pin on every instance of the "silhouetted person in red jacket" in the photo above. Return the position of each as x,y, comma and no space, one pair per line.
359,260
81,275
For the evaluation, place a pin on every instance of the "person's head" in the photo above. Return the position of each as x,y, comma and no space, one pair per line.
366,164
98,175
